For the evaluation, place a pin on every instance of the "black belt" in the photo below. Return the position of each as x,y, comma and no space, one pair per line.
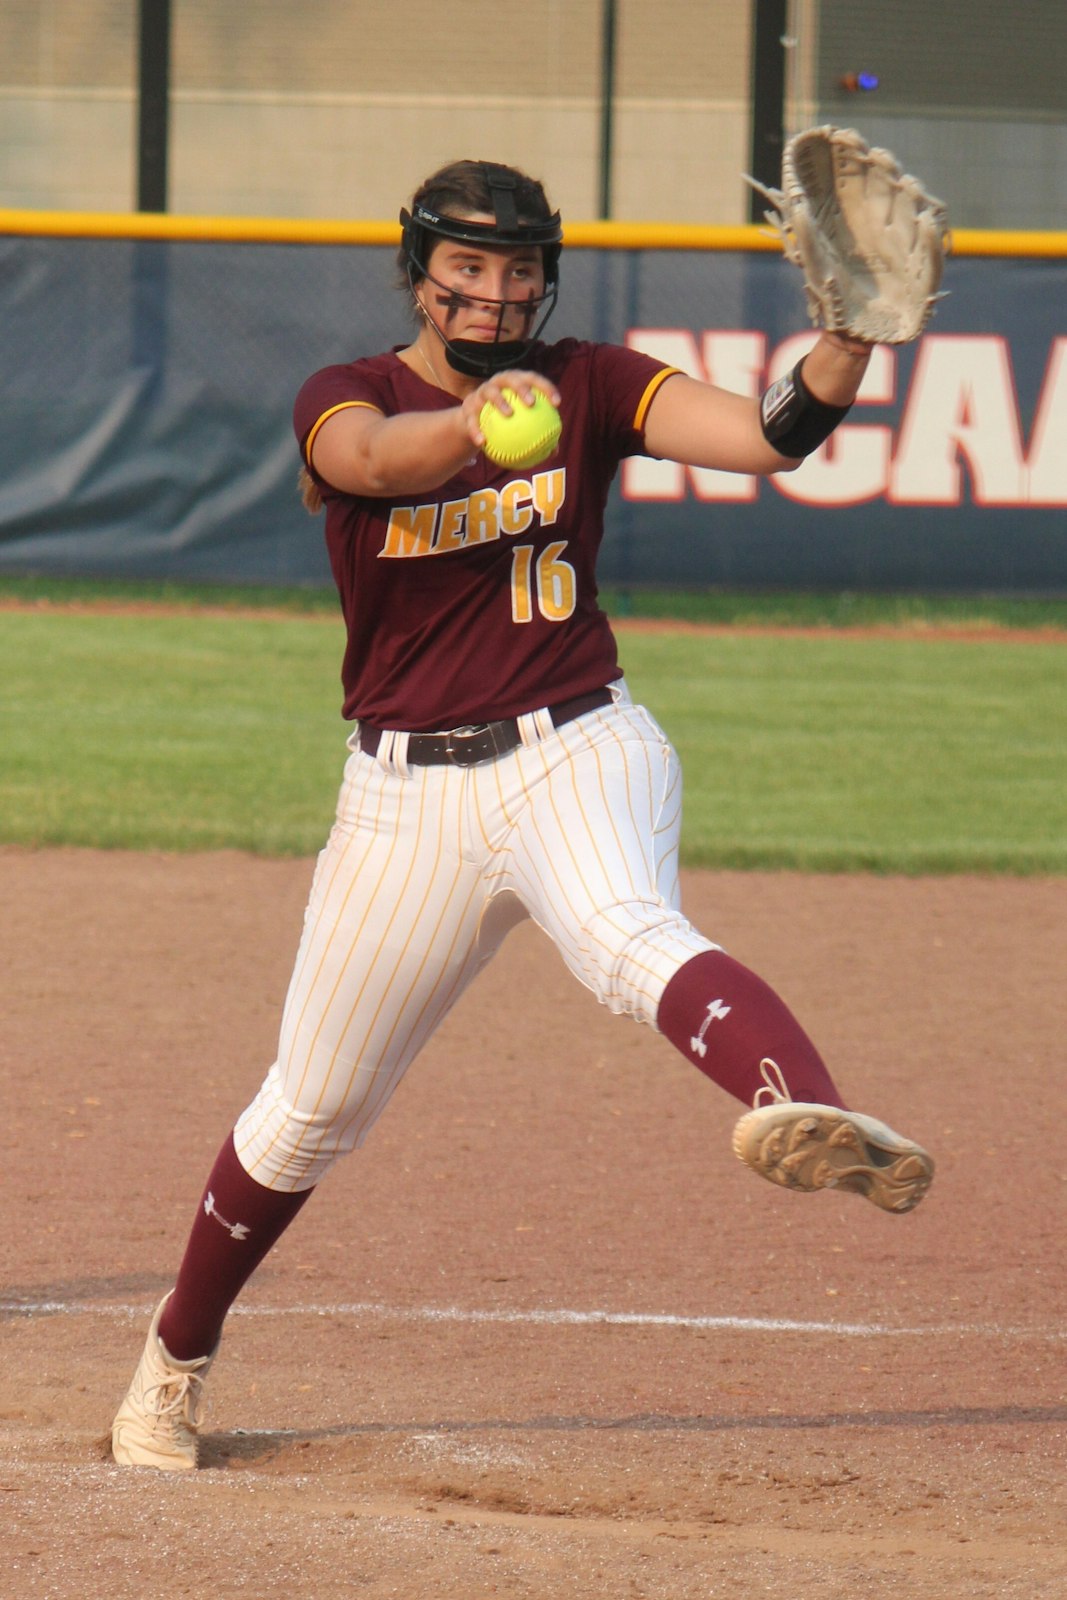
465,747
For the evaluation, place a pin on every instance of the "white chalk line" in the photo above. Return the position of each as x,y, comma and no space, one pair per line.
556,1317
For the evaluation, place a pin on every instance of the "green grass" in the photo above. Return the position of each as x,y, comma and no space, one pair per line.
825,753
169,732
46,591
896,755
832,609
758,608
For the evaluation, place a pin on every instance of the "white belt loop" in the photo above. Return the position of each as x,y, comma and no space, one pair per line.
393,752
543,724
535,726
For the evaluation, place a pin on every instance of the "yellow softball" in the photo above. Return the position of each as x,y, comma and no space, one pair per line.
528,436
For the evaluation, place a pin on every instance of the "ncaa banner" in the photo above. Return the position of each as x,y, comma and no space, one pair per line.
149,382
950,472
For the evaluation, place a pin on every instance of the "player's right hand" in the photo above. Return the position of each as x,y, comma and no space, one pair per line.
491,390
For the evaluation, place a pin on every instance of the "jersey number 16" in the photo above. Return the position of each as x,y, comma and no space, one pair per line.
549,577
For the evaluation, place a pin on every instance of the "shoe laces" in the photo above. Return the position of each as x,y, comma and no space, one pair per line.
178,1394
774,1085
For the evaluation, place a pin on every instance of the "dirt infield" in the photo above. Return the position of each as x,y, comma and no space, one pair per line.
544,1337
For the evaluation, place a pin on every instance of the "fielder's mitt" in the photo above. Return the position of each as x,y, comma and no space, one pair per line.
868,238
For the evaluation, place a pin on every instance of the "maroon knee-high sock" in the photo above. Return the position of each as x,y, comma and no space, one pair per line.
237,1222
727,1020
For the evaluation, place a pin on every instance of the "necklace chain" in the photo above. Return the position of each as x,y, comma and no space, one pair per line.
427,364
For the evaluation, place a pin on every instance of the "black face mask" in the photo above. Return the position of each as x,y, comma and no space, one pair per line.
477,358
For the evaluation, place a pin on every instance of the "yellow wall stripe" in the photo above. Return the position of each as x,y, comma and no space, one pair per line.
580,235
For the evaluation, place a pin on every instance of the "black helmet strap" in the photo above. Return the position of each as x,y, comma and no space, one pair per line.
501,185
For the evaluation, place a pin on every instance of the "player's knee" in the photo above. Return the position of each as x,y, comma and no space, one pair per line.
285,1147
629,950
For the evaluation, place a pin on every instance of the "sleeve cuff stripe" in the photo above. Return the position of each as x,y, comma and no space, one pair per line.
346,405
649,395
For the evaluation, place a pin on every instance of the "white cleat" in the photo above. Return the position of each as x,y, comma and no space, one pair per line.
809,1147
158,1422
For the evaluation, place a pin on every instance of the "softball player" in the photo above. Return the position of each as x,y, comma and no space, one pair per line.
499,768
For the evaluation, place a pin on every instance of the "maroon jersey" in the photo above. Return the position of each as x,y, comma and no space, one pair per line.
478,600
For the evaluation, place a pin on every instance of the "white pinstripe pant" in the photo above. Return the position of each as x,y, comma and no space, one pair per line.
425,870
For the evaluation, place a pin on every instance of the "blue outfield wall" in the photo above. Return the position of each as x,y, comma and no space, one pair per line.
149,383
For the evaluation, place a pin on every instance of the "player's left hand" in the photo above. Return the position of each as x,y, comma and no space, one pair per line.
869,239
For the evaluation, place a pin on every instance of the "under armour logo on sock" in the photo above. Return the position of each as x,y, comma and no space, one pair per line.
236,1230
716,1012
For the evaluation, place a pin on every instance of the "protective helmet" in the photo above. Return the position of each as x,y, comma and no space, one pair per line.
422,225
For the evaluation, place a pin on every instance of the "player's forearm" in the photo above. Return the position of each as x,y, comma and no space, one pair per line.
405,454
704,426
360,451
834,368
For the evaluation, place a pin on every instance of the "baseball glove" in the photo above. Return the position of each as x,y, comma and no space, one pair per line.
868,238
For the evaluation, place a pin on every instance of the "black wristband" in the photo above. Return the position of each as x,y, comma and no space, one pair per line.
793,421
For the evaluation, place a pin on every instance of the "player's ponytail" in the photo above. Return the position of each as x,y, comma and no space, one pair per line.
310,493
